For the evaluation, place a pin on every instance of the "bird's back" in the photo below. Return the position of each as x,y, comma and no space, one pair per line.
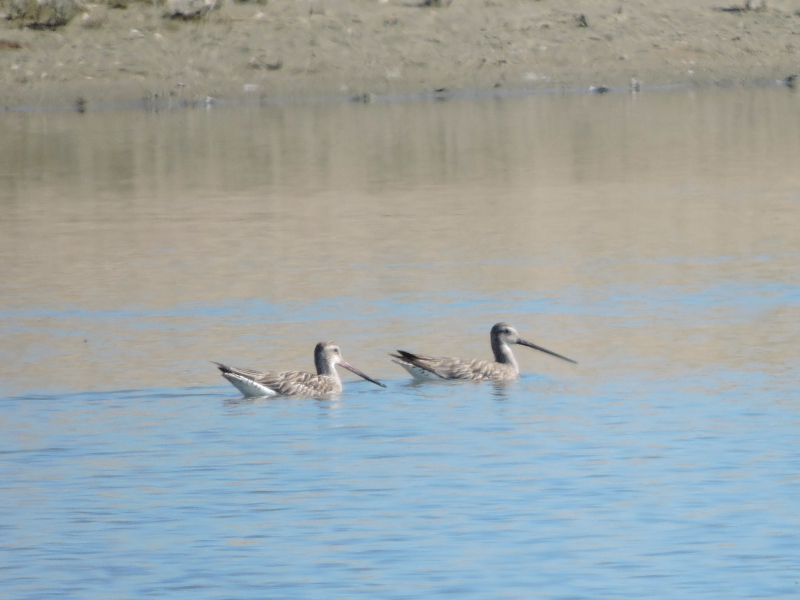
286,383
430,367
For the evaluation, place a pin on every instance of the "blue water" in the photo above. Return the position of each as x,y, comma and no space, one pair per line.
630,234
540,488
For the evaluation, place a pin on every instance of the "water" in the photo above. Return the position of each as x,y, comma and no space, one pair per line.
652,238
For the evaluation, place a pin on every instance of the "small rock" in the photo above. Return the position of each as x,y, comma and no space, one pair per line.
92,22
790,81
366,98
746,7
9,44
188,10
43,14
599,89
263,63
135,34
580,20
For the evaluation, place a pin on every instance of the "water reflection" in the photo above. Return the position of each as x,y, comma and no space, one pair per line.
500,389
136,247
652,240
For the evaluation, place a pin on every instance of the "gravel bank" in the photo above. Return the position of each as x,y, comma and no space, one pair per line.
302,48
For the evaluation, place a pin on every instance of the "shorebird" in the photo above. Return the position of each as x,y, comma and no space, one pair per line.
503,368
326,382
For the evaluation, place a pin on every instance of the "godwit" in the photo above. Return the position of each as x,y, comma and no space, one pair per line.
295,383
503,368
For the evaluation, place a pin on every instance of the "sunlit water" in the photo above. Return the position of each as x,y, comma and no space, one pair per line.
652,238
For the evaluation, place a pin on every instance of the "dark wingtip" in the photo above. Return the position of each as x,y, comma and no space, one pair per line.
403,355
221,367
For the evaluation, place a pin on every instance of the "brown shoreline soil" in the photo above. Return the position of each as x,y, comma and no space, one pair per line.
302,48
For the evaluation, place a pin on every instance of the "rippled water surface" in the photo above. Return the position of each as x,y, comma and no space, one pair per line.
652,238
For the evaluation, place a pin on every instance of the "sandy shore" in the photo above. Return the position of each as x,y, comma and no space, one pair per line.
302,48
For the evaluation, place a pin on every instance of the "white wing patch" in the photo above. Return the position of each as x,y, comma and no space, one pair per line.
418,373
248,387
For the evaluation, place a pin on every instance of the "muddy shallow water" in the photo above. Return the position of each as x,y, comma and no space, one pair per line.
651,237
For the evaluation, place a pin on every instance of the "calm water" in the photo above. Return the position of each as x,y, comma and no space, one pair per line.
652,238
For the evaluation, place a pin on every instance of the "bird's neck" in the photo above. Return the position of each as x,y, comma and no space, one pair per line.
326,368
503,354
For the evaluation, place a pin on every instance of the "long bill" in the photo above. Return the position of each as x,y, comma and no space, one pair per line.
546,351
352,369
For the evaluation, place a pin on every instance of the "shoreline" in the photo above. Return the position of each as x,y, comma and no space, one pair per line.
148,105
338,50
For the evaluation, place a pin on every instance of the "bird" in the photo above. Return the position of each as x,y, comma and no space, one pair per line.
503,368
255,384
